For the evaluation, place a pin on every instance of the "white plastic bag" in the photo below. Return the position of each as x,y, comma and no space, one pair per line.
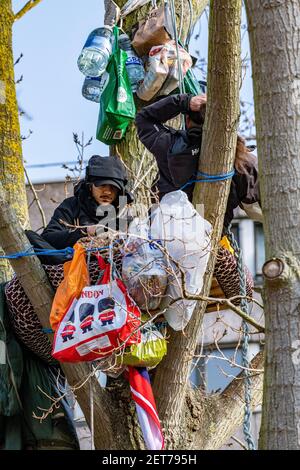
172,80
186,238
162,74
157,70
143,268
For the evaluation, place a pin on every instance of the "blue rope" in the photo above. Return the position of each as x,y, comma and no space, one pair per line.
206,178
47,331
38,252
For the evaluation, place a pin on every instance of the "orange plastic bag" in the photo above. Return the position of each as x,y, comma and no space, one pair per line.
76,277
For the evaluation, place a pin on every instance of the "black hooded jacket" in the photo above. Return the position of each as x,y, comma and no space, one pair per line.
177,154
77,210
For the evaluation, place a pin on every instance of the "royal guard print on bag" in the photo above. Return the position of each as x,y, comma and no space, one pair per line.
68,332
104,318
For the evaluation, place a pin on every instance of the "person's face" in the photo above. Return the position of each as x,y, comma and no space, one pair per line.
105,194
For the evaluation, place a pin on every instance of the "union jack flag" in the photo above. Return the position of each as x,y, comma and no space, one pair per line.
142,394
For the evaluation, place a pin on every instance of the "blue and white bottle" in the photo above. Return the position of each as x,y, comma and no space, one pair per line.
96,52
93,87
134,65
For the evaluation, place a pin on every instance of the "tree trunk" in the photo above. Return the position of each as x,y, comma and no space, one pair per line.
217,156
274,38
141,163
11,162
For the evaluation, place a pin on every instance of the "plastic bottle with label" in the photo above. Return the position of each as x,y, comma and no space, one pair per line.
95,54
93,87
134,65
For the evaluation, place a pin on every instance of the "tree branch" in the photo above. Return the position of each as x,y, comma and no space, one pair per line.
36,199
27,7
224,413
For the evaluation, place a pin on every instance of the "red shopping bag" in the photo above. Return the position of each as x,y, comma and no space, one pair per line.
104,319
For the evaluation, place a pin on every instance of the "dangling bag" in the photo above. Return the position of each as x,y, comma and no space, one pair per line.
186,237
162,74
173,78
144,267
156,29
76,277
117,108
104,319
191,84
149,352
157,70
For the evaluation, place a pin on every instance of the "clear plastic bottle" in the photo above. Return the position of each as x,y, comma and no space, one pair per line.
134,64
95,54
93,87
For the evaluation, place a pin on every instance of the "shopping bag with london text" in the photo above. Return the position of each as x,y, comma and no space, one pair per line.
103,320
117,108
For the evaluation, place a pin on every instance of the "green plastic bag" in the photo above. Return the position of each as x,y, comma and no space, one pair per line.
191,84
117,108
148,353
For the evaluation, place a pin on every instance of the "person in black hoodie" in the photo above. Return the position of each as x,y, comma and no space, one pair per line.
177,153
104,184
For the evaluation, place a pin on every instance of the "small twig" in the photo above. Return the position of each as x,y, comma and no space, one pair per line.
239,442
36,199
27,7
19,80
18,59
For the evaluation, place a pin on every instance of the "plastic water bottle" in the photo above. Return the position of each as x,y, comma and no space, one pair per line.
134,64
93,87
95,54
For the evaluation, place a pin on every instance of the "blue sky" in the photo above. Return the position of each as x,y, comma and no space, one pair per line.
51,37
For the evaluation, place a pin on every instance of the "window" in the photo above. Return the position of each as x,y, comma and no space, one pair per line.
214,373
219,372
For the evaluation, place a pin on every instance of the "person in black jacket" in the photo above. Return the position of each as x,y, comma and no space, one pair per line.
177,153
104,184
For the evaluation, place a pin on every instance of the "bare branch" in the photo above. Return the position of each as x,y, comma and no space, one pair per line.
239,442
27,7
36,198
223,414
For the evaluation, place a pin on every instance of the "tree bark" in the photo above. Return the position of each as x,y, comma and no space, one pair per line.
274,38
11,162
